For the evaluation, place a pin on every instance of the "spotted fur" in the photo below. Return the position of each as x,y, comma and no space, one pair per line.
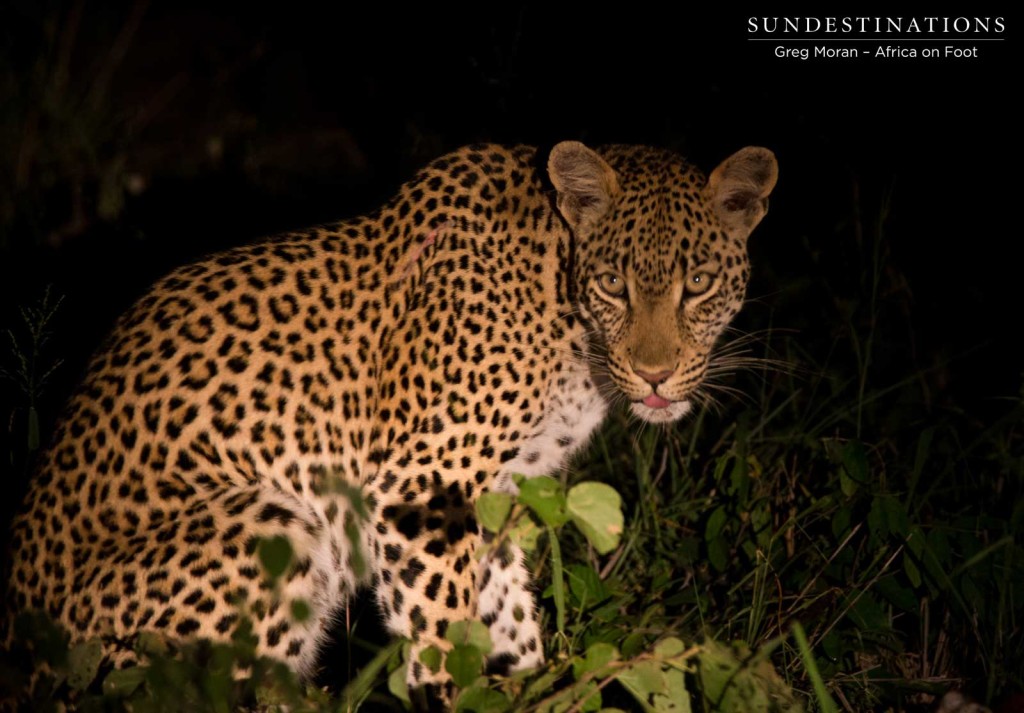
476,326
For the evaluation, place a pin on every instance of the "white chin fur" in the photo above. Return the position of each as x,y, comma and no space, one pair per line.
672,412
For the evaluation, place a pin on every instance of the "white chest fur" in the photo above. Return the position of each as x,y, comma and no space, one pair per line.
574,409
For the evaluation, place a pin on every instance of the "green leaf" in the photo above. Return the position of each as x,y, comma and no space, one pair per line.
847,485
832,643
720,465
525,534
855,461
732,680
739,479
300,610
464,663
396,679
877,525
479,698
916,541
938,546
122,683
718,554
472,632
221,660
149,643
352,493
243,636
397,685
895,516
911,570
716,523
669,647
216,686
657,688
544,496
676,698
596,509
867,613
841,522
894,591
687,551
598,656
761,520
275,553
431,658
589,699
49,641
83,663
644,680
538,687
492,510
634,644
586,585
355,553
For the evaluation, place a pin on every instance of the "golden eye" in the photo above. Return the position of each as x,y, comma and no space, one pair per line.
698,283
612,284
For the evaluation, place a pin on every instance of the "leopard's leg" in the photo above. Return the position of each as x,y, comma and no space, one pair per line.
508,608
201,574
290,614
425,577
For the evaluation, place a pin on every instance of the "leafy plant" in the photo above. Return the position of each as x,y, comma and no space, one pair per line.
28,367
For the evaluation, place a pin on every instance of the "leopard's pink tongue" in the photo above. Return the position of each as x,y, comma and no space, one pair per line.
655,401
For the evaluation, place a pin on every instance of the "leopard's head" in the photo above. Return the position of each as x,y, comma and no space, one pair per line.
660,261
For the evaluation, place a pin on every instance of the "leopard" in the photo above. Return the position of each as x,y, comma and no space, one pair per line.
356,387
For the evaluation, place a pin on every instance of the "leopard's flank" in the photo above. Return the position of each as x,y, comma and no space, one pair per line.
480,324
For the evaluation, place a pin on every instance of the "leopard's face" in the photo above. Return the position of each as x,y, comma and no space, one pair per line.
661,263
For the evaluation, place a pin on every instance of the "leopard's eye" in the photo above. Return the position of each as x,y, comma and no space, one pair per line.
612,284
698,282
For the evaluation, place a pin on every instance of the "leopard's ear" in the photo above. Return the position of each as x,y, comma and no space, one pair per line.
585,183
739,189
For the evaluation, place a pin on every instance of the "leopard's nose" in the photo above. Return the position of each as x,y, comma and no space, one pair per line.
653,378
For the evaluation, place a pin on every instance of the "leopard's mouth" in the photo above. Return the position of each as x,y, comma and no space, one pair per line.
656,409
655,401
